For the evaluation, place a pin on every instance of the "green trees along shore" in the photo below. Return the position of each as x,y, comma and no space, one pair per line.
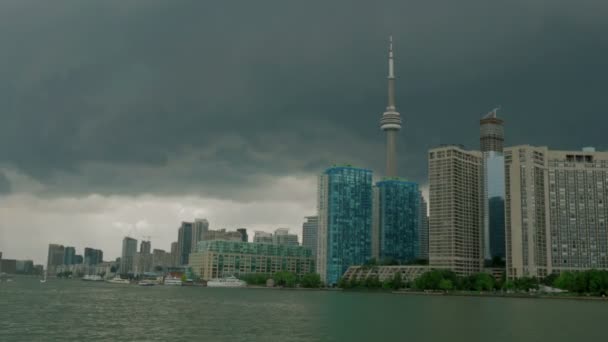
592,282
284,279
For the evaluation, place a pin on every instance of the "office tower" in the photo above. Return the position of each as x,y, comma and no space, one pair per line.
556,212
69,254
283,237
78,259
395,224
243,231
184,242
221,234
145,247
491,141
345,221
199,228
262,237
129,248
218,259
24,267
93,256
391,120
455,197
174,254
309,233
423,230
54,258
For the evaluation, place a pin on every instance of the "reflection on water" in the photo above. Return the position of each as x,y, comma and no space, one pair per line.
72,310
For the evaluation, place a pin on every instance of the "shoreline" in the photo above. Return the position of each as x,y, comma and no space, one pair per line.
500,295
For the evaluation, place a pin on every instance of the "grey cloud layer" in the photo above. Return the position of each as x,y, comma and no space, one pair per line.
192,96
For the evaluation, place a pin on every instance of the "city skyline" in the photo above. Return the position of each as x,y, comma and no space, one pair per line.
135,158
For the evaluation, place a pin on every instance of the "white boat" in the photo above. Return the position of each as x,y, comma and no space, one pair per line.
172,281
231,281
147,282
94,277
118,280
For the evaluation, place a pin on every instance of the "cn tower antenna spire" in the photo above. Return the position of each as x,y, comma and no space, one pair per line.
391,120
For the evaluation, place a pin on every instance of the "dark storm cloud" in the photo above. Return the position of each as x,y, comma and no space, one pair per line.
172,96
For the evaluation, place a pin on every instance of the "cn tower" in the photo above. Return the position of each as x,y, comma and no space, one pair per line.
391,120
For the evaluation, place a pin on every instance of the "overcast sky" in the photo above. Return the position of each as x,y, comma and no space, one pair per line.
127,117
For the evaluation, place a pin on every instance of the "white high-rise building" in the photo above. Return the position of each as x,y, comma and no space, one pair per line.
556,212
455,198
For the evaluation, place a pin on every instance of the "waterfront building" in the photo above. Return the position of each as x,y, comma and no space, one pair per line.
385,273
142,263
93,256
24,267
455,220
69,255
391,119
199,228
262,237
423,230
54,258
174,254
283,237
78,259
491,142
556,210
160,258
395,231
129,249
8,266
309,233
243,231
220,258
184,242
344,208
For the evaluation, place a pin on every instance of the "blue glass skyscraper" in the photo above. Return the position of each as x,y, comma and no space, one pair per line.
396,221
345,220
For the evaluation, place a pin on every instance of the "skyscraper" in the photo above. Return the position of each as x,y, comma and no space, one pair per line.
54,258
455,197
262,237
199,228
129,248
492,141
243,232
283,237
309,233
184,242
423,230
93,256
396,221
145,247
174,254
69,254
345,218
391,120
556,212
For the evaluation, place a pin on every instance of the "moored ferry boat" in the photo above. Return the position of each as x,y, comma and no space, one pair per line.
231,281
93,277
118,280
172,281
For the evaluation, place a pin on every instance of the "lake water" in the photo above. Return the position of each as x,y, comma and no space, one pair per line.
71,310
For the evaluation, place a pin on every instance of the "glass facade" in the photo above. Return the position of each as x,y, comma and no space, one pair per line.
398,221
494,199
345,220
